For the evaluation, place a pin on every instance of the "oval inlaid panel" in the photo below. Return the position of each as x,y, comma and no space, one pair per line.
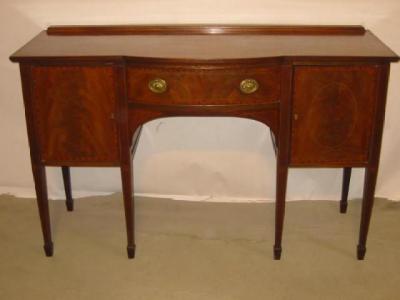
334,112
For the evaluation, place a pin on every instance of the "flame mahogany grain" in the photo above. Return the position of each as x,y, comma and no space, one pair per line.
74,110
204,86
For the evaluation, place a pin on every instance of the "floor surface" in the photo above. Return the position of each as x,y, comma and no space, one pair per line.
197,250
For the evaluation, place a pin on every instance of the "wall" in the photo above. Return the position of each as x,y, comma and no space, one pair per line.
192,158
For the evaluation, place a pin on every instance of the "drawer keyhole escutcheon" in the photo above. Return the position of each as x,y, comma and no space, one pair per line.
249,86
158,85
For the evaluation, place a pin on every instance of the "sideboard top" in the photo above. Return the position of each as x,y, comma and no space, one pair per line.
209,43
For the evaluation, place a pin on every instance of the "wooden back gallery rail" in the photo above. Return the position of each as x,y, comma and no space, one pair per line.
320,89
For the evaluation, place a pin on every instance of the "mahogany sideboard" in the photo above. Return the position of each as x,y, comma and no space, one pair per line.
321,90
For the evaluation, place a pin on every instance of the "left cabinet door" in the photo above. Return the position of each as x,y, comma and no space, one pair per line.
73,111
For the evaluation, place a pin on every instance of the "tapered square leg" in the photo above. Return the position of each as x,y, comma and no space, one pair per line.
281,182
127,187
366,210
67,187
282,163
345,190
39,176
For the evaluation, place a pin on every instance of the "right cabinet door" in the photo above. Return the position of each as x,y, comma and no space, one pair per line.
332,114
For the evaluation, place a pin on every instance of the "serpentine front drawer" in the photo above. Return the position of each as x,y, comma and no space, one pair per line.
203,86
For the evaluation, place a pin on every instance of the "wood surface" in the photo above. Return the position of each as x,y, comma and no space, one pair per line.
199,29
74,110
345,189
371,171
322,92
333,114
283,155
69,202
126,145
204,48
203,86
38,169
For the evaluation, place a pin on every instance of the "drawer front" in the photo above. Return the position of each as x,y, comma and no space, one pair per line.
333,114
204,86
73,109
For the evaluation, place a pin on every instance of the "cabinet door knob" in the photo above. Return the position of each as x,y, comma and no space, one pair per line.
158,85
249,86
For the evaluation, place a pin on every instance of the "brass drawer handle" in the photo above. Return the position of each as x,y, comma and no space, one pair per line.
158,85
249,86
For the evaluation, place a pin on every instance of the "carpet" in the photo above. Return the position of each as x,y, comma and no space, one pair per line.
198,250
